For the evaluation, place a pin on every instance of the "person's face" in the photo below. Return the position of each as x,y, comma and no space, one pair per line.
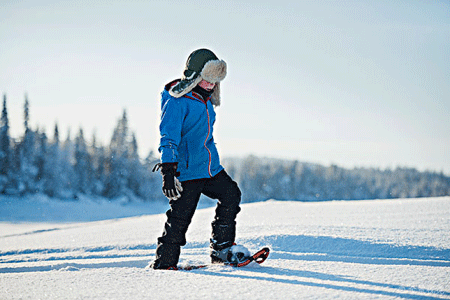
206,85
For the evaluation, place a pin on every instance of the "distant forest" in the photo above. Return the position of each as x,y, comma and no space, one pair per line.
35,163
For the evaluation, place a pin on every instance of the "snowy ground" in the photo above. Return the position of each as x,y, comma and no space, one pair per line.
385,249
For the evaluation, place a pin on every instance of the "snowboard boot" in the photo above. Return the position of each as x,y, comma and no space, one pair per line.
228,254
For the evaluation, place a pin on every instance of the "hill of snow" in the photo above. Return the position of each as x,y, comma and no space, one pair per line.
377,249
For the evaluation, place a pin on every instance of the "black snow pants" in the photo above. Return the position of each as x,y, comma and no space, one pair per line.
179,216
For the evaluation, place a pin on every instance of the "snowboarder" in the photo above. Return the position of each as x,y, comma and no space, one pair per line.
190,163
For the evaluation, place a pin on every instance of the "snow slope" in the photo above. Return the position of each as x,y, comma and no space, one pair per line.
382,249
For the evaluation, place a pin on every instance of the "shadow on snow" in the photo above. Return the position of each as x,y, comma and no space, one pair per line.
326,248
284,247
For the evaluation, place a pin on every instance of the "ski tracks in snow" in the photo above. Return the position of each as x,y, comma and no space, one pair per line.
49,259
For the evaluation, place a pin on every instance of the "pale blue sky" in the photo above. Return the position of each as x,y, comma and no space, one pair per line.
354,83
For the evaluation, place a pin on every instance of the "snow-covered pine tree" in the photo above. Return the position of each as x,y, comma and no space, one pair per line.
117,163
53,185
67,176
134,166
27,156
98,158
42,163
5,149
82,166
140,180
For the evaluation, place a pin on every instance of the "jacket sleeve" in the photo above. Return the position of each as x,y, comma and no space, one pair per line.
172,116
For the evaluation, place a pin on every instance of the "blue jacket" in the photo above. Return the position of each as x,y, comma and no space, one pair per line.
186,130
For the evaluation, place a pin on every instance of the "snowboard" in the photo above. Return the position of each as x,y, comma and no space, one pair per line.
259,257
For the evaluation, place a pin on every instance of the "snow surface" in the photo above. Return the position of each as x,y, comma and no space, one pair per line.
380,249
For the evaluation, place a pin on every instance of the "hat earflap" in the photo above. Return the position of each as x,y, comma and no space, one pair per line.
215,96
214,71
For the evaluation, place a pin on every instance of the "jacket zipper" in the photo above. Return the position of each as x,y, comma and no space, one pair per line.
209,127
209,131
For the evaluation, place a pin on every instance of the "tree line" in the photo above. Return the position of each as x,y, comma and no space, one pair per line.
35,163
267,178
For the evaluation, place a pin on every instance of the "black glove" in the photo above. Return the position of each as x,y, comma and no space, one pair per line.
171,185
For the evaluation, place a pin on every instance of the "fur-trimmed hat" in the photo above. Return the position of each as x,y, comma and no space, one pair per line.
201,64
